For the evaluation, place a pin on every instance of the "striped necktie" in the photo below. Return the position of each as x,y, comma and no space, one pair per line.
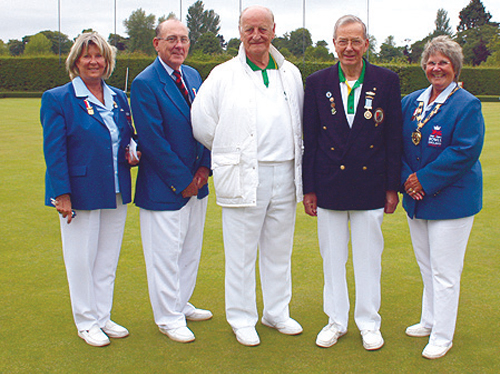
181,86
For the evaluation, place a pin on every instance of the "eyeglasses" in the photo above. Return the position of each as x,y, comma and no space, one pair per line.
174,39
345,42
441,64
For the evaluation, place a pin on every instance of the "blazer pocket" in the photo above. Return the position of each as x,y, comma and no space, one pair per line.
78,171
226,174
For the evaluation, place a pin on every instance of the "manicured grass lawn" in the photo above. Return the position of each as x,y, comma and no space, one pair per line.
37,333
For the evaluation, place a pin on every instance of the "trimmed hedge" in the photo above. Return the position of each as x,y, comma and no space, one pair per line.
39,74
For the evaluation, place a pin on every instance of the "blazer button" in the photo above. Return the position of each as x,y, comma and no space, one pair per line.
324,127
333,149
342,167
365,168
371,147
173,188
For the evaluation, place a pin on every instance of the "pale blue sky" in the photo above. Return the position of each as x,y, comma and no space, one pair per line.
404,19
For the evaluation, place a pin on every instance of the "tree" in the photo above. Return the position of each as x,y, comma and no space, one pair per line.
200,21
120,42
140,29
39,44
300,39
4,49
208,43
389,52
494,47
442,23
16,47
474,15
55,37
281,42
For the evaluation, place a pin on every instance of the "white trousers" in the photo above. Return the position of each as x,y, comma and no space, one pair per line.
367,247
172,242
91,247
439,247
270,227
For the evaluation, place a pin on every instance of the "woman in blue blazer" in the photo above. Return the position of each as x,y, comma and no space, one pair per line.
86,134
443,134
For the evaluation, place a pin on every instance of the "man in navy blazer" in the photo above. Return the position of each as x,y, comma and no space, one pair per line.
351,168
171,185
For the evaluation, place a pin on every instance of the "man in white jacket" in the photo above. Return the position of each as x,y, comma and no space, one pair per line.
249,114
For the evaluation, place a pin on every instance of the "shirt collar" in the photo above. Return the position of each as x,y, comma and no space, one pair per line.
426,95
361,77
81,90
272,65
169,70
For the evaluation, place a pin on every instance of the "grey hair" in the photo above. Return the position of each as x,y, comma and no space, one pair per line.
82,43
449,48
159,28
349,18
270,13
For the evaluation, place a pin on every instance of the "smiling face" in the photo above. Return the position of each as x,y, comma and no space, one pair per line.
439,71
256,32
350,45
91,64
172,44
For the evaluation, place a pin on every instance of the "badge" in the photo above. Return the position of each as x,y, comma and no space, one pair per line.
115,104
90,110
328,94
368,114
416,137
379,115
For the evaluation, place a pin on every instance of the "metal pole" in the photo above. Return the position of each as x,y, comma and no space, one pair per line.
59,27
116,40
304,33
368,26
180,12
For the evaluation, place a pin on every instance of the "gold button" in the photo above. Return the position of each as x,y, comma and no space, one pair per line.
376,125
333,149
365,168
371,146
324,127
342,167
173,188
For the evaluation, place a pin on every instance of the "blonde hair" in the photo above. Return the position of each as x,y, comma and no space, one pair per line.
82,43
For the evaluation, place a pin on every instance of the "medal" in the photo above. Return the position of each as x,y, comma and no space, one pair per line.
416,137
90,110
368,114
379,116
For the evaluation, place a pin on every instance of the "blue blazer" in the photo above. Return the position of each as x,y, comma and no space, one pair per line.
352,168
78,151
446,160
170,154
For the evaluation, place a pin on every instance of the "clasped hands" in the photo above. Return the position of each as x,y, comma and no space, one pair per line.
199,180
414,188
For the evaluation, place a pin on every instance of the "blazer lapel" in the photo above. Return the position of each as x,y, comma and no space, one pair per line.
171,90
90,110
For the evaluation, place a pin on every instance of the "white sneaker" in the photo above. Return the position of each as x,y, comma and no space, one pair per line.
180,334
94,337
288,327
247,336
199,315
114,330
329,336
372,339
418,331
434,351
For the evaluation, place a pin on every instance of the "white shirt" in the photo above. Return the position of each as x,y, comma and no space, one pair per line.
344,91
426,95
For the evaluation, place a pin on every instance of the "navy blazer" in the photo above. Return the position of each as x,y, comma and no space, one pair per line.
170,154
78,150
352,168
446,160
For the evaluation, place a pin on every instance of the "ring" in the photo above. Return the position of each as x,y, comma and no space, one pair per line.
410,189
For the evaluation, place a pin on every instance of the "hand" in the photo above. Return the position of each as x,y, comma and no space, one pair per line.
190,190
131,159
63,206
310,204
391,202
414,188
201,176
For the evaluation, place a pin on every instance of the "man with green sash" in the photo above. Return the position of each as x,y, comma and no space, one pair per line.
351,175
249,114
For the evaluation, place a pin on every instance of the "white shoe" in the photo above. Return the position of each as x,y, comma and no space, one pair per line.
114,330
329,335
94,337
372,339
247,336
288,327
434,351
199,315
180,334
418,331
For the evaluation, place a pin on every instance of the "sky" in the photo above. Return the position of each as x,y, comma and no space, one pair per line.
407,21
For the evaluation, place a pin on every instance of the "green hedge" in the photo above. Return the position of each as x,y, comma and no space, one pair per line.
42,73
